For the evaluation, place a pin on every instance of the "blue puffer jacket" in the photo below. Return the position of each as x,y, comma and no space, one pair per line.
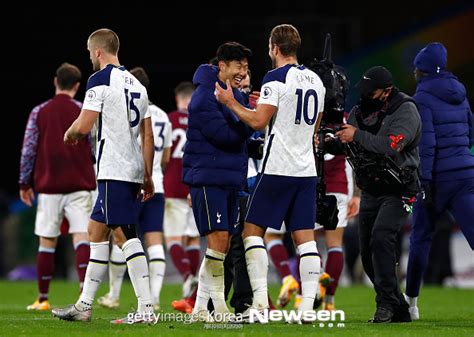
447,125
215,153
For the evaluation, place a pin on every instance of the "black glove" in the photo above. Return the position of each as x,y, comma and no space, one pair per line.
255,148
333,146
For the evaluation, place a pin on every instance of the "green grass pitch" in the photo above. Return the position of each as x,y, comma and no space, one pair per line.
444,312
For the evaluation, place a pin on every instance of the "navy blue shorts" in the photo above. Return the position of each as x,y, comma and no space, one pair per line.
117,203
279,198
151,214
215,208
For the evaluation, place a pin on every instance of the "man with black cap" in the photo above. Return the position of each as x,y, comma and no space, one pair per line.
447,166
383,132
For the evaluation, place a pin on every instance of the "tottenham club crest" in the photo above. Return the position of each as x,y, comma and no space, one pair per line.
267,92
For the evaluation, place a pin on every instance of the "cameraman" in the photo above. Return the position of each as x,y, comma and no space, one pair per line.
385,126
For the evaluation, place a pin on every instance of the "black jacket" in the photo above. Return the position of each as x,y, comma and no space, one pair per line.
394,132
399,132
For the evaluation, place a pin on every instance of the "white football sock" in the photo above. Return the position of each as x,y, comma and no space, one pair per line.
412,301
203,294
156,256
214,265
138,272
329,299
310,269
117,268
96,270
257,267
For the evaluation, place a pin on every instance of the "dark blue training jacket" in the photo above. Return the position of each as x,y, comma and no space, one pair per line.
447,125
215,153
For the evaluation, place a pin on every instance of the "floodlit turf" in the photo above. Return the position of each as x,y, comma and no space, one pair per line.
445,312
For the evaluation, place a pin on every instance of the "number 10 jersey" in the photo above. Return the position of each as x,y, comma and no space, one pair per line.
298,94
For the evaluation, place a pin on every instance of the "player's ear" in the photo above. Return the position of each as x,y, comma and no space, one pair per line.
55,81
222,66
275,49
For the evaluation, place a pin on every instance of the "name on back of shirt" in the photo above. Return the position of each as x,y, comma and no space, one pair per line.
305,78
128,80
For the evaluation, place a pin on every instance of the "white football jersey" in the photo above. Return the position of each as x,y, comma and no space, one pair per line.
162,135
298,94
122,103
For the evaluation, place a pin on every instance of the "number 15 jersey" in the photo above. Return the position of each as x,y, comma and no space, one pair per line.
298,95
122,103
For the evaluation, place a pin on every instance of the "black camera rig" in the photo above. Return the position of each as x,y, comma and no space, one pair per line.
336,83
375,173
326,211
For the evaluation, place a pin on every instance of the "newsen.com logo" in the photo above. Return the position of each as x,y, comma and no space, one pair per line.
227,320
323,317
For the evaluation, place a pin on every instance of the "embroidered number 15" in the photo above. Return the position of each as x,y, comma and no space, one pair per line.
132,107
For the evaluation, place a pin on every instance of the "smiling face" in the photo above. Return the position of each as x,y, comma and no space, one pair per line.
234,71
245,85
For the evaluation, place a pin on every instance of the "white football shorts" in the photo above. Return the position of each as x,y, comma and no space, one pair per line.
52,208
179,219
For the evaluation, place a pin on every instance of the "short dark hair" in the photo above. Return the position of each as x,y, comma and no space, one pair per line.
213,61
141,76
67,76
287,38
185,88
232,51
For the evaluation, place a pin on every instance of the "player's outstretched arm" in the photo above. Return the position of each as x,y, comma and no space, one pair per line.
257,119
81,127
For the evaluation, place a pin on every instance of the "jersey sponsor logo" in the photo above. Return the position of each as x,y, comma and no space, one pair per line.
267,92
183,120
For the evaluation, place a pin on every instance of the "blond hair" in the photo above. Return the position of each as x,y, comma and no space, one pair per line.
106,39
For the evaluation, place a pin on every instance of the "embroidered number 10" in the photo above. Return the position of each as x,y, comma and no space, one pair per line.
303,108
